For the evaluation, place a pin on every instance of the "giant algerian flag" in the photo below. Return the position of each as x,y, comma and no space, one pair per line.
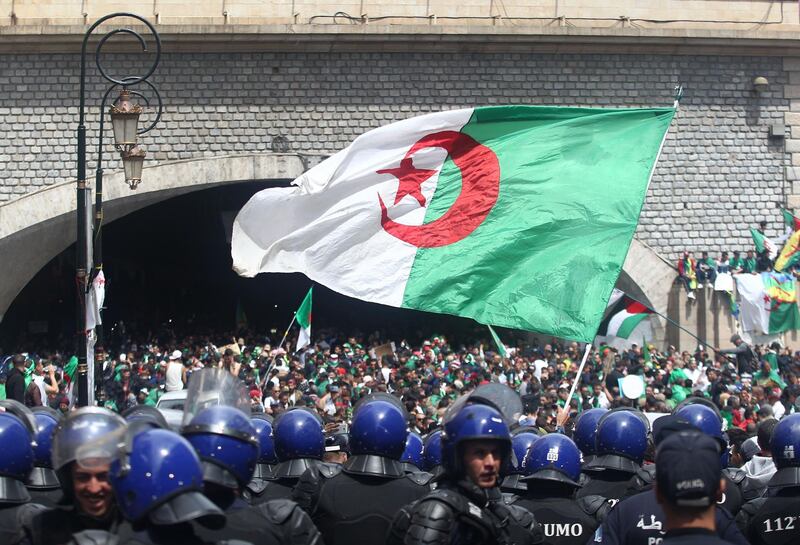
516,216
768,302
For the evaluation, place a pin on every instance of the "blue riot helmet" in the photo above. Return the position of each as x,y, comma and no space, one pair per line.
432,451
299,442
43,476
227,443
16,461
785,448
84,431
621,441
708,421
473,422
586,430
379,429
512,471
158,476
145,417
412,457
267,458
554,457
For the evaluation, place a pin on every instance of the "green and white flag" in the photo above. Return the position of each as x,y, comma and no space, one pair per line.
516,216
763,243
501,348
768,302
303,318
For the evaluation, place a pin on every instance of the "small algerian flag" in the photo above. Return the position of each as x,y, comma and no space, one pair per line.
623,316
763,243
768,302
501,348
303,318
516,216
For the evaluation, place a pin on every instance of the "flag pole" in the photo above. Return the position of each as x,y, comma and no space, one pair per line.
580,372
286,334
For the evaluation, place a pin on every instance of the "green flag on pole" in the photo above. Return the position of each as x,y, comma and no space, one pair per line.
303,318
501,348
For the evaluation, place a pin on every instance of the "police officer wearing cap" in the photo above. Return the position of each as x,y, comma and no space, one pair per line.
337,448
704,416
355,502
16,509
43,484
616,471
640,520
467,506
88,502
551,469
774,519
225,439
688,484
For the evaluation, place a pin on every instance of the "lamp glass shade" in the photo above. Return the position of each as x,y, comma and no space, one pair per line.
125,120
132,163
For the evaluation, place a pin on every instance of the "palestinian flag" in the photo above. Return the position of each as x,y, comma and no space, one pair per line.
303,317
516,216
623,317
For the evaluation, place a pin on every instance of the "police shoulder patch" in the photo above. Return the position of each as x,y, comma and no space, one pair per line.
420,477
329,470
735,474
277,511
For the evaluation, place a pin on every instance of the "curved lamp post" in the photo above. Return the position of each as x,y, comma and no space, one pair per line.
124,115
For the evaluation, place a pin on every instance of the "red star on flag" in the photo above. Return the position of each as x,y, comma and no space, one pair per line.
411,179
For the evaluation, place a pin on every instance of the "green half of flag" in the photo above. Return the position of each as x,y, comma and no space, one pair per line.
790,220
71,367
759,240
304,312
501,348
572,182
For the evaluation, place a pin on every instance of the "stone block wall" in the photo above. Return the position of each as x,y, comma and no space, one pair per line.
719,173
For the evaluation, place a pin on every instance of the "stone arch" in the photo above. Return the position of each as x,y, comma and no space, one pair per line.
38,226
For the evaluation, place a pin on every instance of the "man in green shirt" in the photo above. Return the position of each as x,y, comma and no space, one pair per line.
736,263
706,271
749,265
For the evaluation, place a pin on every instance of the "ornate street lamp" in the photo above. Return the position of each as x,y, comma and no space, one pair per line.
124,115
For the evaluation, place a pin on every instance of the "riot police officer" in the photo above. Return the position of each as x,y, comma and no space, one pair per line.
43,484
640,520
412,459
158,480
616,471
551,469
773,518
585,432
709,421
432,454
467,506
265,468
337,448
16,463
299,445
225,439
520,444
145,416
88,502
355,502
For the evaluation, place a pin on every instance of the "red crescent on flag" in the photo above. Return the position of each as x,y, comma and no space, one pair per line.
480,186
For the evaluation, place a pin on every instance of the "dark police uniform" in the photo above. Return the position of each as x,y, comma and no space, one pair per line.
462,513
14,518
774,519
56,526
44,487
640,520
614,484
356,502
285,477
564,520
733,498
270,523
692,536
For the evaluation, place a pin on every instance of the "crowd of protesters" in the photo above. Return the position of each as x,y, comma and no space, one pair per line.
748,384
